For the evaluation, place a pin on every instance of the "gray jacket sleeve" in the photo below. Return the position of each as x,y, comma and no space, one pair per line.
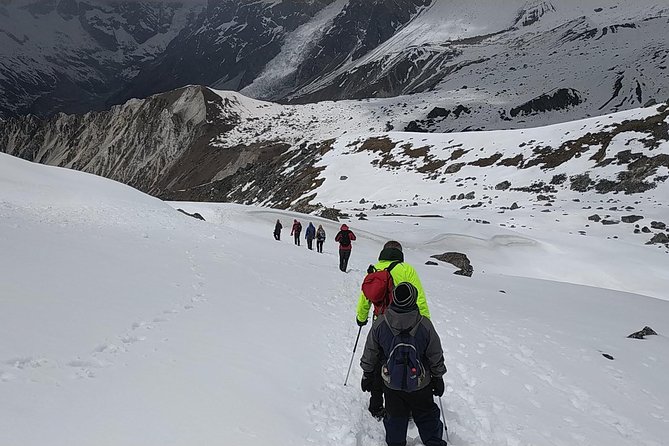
434,352
371,356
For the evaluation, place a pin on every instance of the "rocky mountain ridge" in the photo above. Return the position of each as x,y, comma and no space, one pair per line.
456,65
72,55
198,144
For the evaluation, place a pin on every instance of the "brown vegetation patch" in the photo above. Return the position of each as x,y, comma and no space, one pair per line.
431,166
457,153
515,161
485,162
655,126
378,144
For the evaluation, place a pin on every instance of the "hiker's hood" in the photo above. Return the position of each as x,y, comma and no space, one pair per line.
391,254
399,320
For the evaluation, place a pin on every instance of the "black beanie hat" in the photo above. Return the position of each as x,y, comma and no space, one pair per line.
404,295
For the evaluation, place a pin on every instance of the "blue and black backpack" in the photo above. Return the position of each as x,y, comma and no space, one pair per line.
403,369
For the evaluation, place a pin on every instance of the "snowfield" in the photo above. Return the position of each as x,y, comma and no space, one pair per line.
125,322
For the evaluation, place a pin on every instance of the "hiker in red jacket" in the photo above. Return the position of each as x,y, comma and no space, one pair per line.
344,237
296,230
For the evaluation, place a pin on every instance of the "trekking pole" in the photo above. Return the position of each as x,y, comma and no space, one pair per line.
354,347
443,419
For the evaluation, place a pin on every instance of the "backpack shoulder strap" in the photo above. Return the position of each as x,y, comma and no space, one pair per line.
393,265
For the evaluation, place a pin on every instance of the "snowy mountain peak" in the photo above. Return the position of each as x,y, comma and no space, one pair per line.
453,55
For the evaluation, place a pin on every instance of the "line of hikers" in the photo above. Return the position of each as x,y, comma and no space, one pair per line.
344,237
403,360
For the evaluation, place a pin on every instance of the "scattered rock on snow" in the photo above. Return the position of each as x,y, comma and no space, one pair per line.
594,218
631,218
658,225
194,215
504,185
459,260
430,262
647,331
658,238
331,214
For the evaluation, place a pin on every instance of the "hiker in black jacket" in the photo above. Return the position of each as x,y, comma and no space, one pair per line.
277,230
320,238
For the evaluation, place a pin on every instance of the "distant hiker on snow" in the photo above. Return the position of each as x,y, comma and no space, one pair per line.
405,349
277,230
320,238
344,237
310,235
296,230
377,291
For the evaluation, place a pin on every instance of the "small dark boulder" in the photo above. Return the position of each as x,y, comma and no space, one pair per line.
430,262
610,222
658,225
645,230
514,206
647,331
631,218
194,215
458,260
658,238
504,185
331,214
607,356
594,218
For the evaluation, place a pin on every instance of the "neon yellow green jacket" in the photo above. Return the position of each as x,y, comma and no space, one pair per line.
402,272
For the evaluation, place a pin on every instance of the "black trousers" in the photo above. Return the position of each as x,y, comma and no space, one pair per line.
297,238
344,255
310,243
319,245
419,404
277,236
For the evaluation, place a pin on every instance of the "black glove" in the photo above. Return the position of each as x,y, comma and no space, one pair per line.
437,385
367,382
361,323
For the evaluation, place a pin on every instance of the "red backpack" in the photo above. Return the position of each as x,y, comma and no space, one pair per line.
378,287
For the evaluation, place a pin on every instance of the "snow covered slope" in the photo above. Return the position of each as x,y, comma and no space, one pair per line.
520,64
221,146
126,322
